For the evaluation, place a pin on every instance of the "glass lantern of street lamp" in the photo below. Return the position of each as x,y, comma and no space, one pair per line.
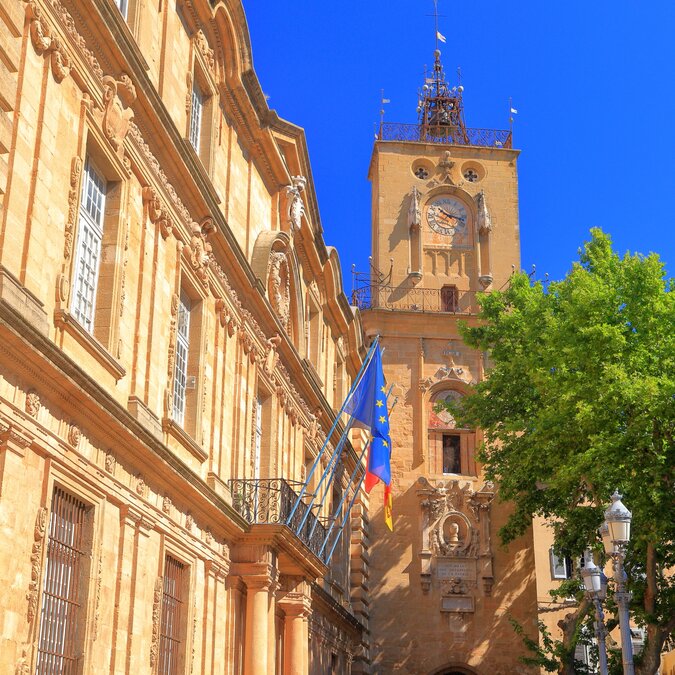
618,518
602,595
606,539
591,576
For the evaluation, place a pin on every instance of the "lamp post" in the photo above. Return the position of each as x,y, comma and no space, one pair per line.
615,538
595,583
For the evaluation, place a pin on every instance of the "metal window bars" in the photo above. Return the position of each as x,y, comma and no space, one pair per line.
59,648
170,633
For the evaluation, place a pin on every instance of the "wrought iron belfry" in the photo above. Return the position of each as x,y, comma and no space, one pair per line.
440,108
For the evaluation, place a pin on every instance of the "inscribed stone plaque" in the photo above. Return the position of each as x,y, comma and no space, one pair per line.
456,568
457,603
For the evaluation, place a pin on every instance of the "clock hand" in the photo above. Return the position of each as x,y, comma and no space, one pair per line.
449,215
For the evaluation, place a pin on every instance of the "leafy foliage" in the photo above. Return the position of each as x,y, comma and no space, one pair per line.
580,400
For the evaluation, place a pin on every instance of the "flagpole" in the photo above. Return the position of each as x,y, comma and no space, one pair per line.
351,478
357,379
356,491
511,118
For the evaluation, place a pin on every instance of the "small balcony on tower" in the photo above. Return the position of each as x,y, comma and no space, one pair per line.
446,134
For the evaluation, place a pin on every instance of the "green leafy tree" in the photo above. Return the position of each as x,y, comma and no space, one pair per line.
580,400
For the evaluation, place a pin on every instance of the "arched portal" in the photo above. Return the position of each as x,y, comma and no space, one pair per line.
454,670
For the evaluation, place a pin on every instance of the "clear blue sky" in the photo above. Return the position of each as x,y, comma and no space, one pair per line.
593,83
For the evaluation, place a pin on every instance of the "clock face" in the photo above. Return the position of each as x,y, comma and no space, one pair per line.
447,216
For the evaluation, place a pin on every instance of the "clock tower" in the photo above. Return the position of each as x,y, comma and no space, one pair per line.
444,228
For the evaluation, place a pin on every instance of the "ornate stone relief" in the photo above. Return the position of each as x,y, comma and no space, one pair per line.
200,252
97,605
272,356
414,211
110,462
166,505
157,212
36,562
456,554
73,199
280,287
156,616
449,372
118,96
443,170
141,486
46,43
33,403
203,45
295,206
226,316
74,435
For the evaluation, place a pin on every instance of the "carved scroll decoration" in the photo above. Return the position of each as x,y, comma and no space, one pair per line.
156,617
36,563
118,95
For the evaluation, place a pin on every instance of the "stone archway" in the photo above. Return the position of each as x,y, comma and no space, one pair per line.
454,670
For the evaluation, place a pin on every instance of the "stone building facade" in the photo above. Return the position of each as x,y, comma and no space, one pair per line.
444,226
174,342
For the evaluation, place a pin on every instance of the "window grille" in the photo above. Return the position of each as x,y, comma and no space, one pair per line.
170,635
59,647
196,117
88,252
182,348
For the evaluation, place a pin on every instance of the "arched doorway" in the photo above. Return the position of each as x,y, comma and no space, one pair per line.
454,670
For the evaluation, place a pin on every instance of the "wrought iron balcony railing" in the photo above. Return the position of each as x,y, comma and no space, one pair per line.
270,501
448,300
448,135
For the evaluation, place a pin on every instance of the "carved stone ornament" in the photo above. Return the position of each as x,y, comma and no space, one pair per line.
173,321
110,462
296,207
36,563
414,211
204,49
272,356
227,317
449,372
156,615
141,486
44,42
189,522
22,666
484,217
200,251
280,287
166,505
157,212
33,403
456,552
118,95
74,435
445,166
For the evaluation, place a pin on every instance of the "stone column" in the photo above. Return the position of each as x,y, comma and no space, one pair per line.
296,605
257,623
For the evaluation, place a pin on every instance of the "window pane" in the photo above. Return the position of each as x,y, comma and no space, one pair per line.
88,251
451,454
196,117
182,347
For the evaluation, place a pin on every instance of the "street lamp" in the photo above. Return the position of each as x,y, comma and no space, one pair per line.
615,540
595,584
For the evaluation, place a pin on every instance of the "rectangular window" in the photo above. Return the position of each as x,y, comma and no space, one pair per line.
171,630
122,5
182,351
450,299
63,596
561,568
88,251
452,462
196,110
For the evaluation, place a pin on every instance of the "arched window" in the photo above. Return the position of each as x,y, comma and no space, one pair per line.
451,450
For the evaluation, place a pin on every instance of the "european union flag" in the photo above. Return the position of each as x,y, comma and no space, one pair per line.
368,405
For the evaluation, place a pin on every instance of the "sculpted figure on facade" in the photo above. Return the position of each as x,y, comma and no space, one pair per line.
296,207
484,217
415,210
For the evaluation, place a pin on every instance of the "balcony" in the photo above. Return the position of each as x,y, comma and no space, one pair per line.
449,299
269,501
445,134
